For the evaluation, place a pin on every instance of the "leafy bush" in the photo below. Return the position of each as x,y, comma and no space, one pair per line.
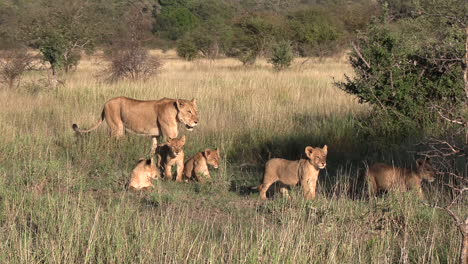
282,55
316,32
403,69
187,49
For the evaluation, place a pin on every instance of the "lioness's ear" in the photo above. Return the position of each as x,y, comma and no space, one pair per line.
325,149
194,102
309,150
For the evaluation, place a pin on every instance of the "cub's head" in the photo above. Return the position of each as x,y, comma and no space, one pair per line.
317,156
425,169
212,157
187,113
176,145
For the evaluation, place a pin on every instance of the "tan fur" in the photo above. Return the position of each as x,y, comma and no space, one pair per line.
151,118
170,154
288,172
197,166
144,172
382,177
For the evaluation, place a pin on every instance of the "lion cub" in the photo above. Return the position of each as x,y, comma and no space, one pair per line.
382,177
290,172
144,172
169,154
197,166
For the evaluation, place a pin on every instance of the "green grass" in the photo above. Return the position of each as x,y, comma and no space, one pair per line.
63,198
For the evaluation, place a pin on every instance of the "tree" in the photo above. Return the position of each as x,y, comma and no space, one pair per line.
282,55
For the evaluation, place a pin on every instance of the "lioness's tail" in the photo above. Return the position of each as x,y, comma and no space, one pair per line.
80,131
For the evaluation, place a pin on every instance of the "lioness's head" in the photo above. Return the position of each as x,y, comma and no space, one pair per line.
317,156
425,170
187,113
212,157
176,145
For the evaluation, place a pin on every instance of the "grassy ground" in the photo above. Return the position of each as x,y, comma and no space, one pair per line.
63,198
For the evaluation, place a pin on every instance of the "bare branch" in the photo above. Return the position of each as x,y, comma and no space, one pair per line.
360,55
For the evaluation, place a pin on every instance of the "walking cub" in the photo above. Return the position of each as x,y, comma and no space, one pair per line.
197,166
170,154
144,172
382,177
291,172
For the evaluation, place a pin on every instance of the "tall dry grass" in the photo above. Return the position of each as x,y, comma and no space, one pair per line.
63,198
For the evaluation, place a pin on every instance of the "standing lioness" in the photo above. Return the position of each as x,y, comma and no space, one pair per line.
291,172
152,118
382,177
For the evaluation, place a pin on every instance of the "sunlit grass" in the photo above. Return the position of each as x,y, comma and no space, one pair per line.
63,198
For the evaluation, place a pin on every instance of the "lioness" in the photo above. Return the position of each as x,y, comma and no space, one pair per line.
153,118
144,172
169,154
197,166
382,177
290,172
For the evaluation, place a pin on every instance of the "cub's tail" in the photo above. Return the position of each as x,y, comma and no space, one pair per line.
259,187
83,131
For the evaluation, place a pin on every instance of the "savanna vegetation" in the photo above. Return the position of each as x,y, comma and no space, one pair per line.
374,81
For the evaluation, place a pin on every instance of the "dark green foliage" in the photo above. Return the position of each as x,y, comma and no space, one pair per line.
315,32
174,22
403,69
187,49
282,55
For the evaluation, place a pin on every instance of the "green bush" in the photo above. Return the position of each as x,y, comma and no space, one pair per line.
187,49
401,70
282,55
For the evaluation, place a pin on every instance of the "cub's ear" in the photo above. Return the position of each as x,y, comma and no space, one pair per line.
182,139
179,104
419,162
207,152
325,149
308,151
194,102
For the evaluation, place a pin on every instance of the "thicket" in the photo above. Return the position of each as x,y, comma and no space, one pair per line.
408,62
61,30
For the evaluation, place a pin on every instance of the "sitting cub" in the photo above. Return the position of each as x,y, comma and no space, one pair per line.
197,166
144,172
169,154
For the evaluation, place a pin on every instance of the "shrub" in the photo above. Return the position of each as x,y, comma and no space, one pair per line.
282,55
133,63
13,64
403,69
187,49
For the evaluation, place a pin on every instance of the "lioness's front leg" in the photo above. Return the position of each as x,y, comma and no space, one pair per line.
154,145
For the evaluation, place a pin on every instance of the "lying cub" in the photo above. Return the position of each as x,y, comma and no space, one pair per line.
144,172
290,172
169,154
197,166
382,177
